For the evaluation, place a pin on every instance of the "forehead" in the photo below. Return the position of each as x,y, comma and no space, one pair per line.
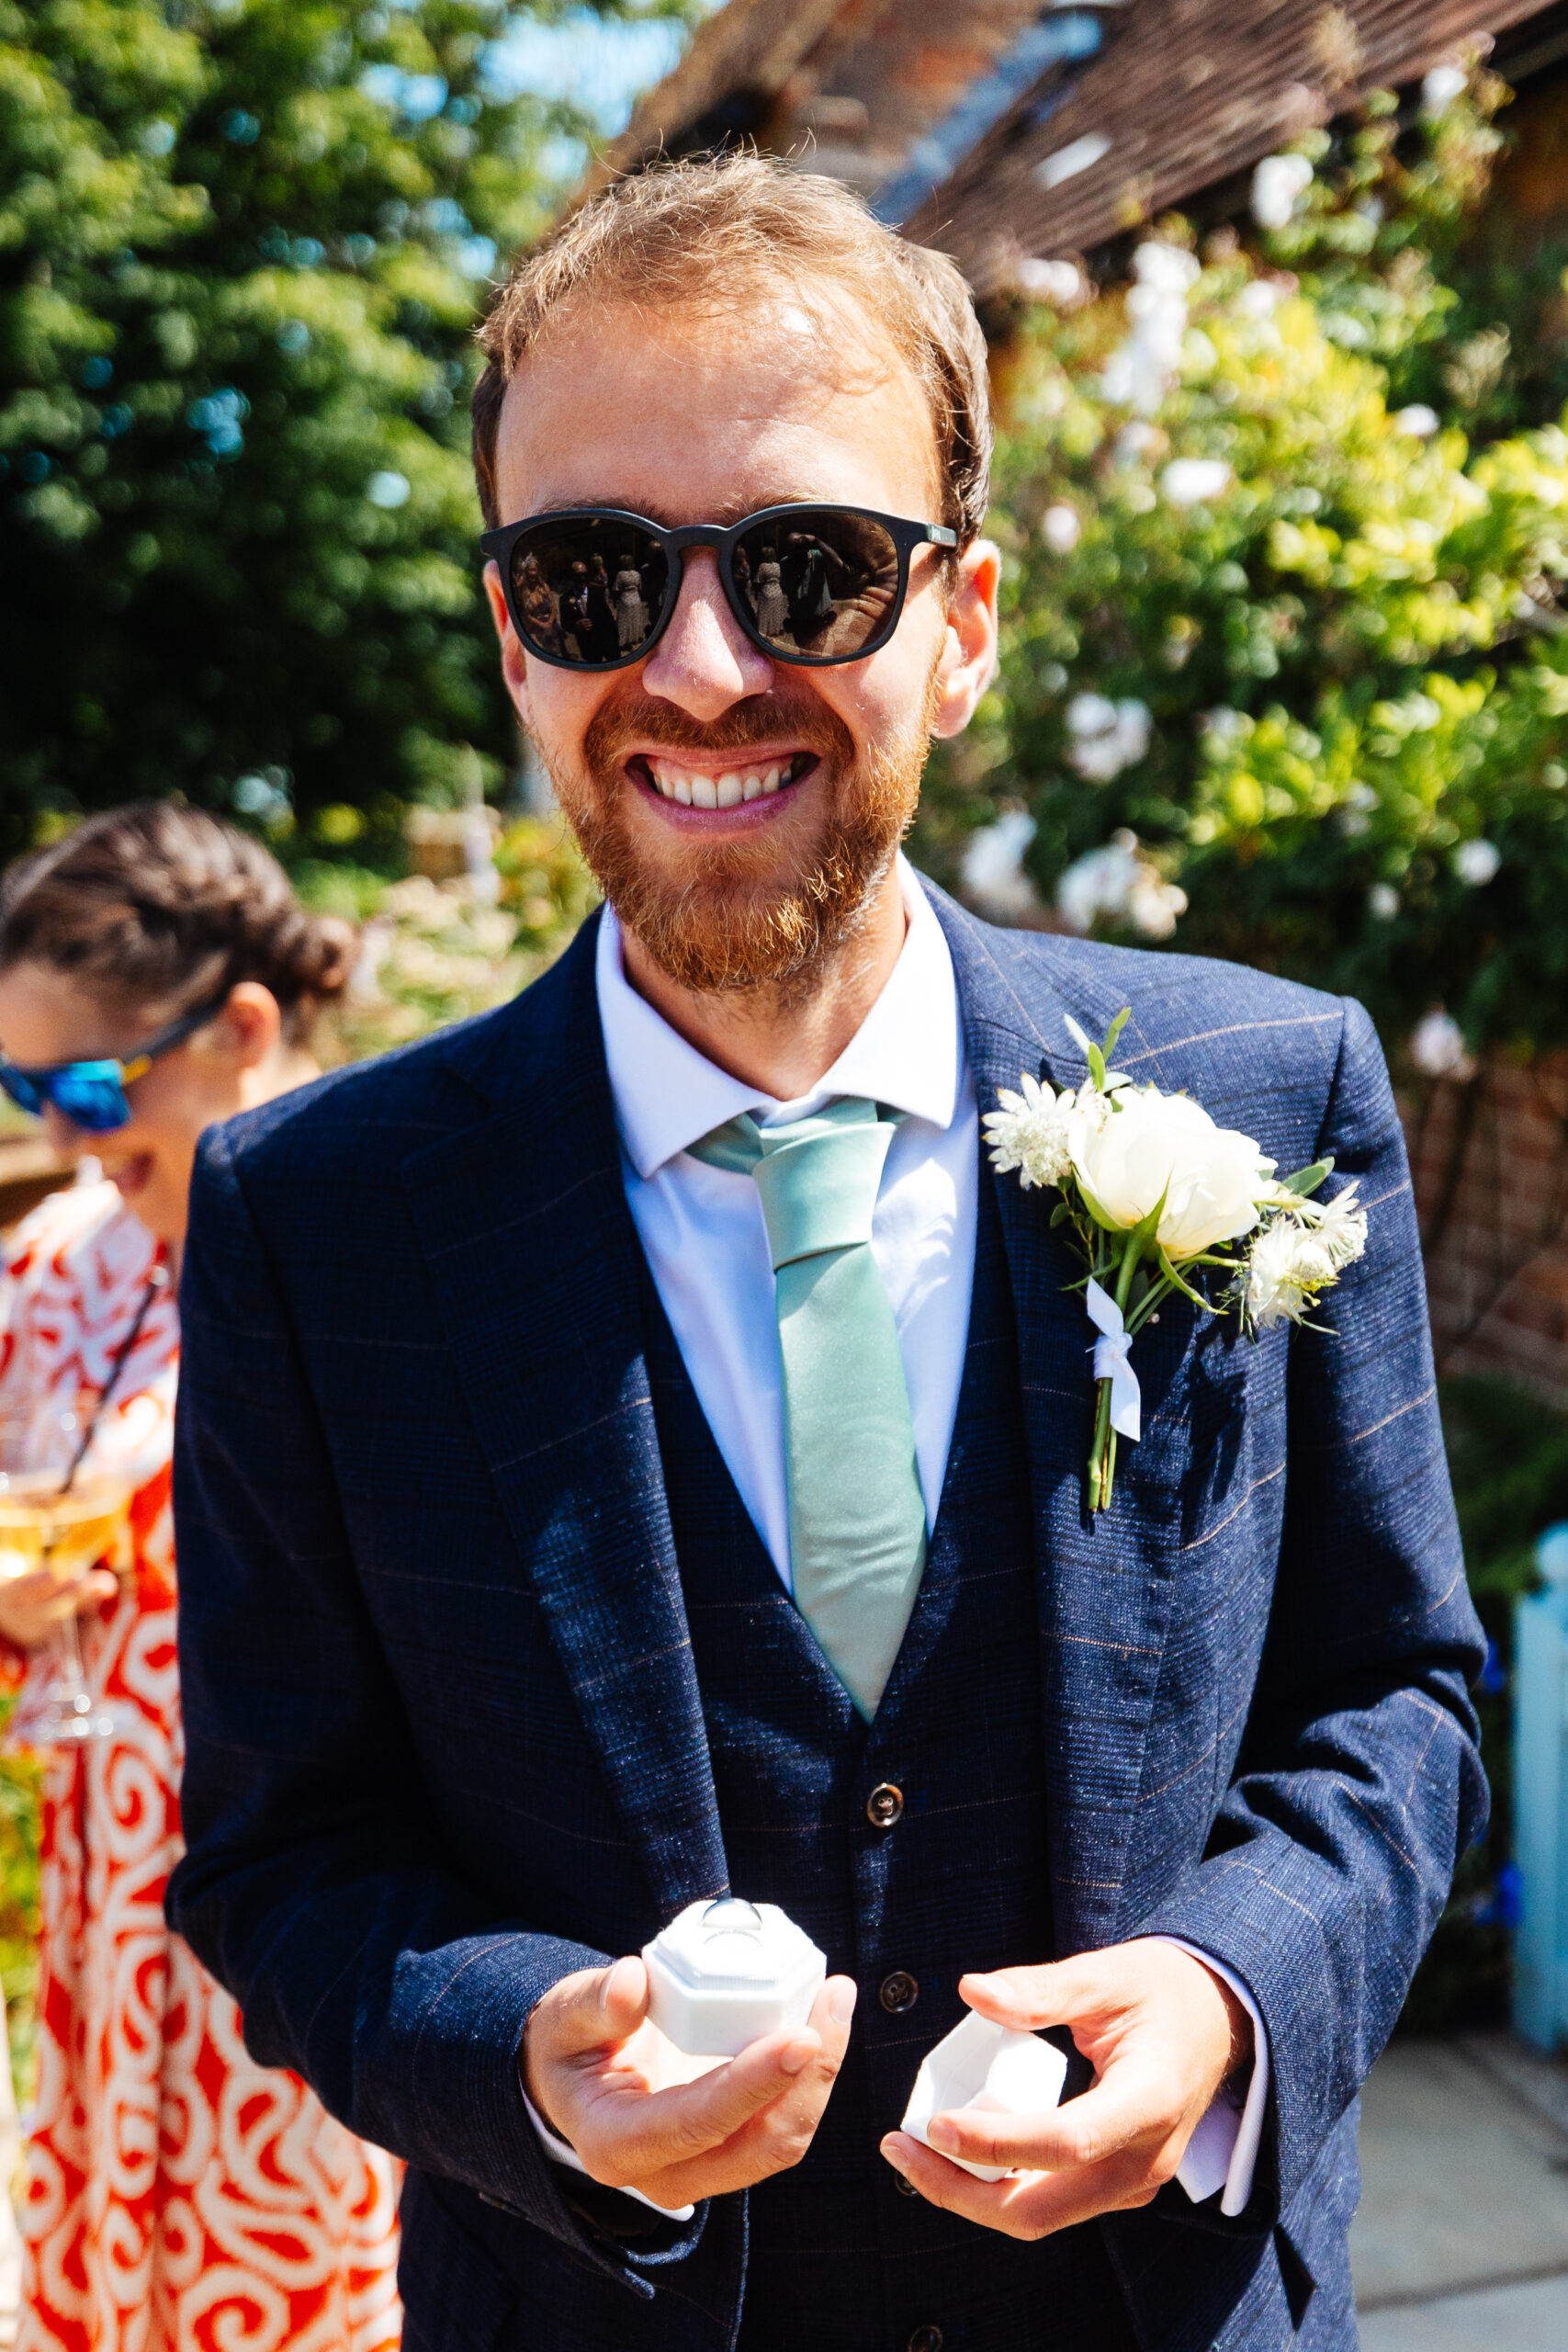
705,419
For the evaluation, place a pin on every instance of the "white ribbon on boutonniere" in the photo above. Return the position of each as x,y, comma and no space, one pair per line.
1153,1193
1111,1361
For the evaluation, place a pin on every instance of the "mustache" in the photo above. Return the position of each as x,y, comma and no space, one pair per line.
645,720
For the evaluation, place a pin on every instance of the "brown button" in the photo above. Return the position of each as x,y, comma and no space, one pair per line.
905,2188
926,2339
884,1805
898,1992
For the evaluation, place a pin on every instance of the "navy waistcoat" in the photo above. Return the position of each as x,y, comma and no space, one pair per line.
840,2258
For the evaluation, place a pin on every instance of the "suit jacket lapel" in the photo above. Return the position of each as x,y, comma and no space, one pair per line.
1102,1612
531,1250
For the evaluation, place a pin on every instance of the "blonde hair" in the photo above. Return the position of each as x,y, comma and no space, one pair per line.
718,229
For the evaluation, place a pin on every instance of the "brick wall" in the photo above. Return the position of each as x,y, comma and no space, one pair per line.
1490,1161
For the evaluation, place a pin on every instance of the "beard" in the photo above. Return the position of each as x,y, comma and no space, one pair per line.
731,919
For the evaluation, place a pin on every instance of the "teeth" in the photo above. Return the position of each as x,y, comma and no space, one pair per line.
682,787
770,781
751,788
729,790
705,792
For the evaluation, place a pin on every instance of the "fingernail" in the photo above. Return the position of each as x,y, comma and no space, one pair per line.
895,2155
943,2135
798,2055
841,2007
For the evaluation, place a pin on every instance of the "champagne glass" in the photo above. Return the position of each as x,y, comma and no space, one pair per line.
53,1519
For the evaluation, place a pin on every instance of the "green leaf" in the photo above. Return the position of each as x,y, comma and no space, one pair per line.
1306,1180
1174,1279
1116,1030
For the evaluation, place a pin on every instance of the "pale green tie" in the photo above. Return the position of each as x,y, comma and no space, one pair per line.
857,1518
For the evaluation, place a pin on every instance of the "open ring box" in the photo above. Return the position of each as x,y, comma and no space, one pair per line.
722,1974
986,2069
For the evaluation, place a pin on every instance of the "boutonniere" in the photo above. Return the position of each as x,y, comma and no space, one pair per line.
1158,1200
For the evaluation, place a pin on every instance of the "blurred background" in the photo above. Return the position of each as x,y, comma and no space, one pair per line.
1278,319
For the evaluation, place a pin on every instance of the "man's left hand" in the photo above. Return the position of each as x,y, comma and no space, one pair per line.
1162,2033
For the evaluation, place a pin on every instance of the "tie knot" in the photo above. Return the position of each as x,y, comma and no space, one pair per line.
817,1176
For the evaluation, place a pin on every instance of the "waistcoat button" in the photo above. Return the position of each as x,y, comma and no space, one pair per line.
905,2188
884,1805
926,2339
899,1992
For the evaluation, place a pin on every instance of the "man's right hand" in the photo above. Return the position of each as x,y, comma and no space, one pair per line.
642,2116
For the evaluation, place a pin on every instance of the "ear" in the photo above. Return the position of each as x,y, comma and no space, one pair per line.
514,664
968,660
251,1023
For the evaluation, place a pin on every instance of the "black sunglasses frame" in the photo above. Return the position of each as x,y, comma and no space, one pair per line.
723,539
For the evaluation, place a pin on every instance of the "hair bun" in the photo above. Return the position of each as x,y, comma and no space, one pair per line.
169,905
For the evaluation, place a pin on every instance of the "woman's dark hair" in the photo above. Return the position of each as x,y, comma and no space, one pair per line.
170,907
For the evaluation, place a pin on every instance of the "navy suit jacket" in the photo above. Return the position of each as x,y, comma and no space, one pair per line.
444,1739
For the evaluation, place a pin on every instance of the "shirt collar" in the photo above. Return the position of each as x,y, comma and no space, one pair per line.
906,1052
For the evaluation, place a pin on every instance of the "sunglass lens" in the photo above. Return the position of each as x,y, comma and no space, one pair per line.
587,591
21,1090
97,1105
820,582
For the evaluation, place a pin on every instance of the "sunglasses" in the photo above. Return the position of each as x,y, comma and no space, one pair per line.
92,1094
594,588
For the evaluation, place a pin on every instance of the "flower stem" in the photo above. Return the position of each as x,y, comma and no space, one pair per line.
1102,1451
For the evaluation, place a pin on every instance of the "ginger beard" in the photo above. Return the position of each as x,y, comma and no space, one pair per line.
731,919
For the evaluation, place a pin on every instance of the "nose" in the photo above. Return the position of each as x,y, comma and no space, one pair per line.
704,662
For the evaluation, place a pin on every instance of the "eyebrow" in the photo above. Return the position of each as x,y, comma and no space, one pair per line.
725,510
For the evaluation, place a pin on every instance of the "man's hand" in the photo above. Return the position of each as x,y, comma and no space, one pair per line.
642,2116
1162,2032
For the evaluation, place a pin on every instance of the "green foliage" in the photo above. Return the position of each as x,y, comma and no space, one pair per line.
19,1909
1508,1454
1331,670
242,244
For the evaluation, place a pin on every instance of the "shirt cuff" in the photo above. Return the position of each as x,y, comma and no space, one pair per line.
565,2154
1223,2151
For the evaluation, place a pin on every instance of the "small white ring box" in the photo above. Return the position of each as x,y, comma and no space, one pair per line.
989,2069
722,1974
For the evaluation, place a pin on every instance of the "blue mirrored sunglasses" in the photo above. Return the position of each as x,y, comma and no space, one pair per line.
92,1094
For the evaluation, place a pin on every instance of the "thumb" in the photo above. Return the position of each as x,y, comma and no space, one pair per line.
594,2007
1056,1993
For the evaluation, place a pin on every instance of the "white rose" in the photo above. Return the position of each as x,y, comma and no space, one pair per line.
1157,1144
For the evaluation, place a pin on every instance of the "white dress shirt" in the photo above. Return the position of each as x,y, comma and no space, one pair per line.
703,1233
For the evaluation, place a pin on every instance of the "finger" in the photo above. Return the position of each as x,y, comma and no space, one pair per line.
592,2010
779,2133
634,2131
1130,2105
1028,2204
1053,1994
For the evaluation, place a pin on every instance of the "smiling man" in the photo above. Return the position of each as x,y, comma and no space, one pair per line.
633,1449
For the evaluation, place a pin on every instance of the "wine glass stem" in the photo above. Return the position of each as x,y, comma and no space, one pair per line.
72,1674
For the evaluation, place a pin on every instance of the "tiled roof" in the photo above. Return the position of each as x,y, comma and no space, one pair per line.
985,126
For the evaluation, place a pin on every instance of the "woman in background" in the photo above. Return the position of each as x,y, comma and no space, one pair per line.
180,2197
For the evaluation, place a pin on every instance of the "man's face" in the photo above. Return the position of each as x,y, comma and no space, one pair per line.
704,423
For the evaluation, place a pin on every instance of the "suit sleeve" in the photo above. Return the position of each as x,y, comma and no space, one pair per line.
314,1885
1358,1783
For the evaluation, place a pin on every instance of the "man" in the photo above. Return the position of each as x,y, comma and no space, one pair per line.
634,1448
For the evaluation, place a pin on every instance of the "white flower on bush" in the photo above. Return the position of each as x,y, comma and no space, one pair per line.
1155,1147
1441,88
1223,727
1030,1133
1115,880
1259,299
1058,282
1107,736
1477,862
1279,184
1419,421
993,872
1383,901
1437,1047
1187,481
1060,527
1144,365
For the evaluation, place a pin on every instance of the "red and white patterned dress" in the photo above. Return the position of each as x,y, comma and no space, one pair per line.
180,2197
